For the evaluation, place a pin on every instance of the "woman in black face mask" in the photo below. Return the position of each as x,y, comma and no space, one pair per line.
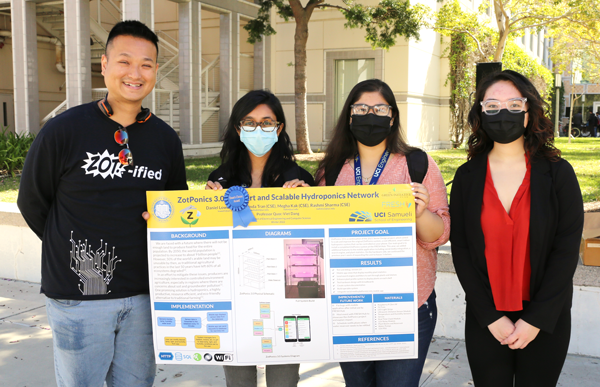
367,148
517,218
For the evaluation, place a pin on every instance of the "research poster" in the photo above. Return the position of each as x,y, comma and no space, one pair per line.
275,276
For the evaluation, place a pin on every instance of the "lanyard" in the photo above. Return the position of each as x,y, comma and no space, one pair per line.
358,172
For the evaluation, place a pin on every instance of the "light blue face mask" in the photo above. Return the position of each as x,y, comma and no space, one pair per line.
258,142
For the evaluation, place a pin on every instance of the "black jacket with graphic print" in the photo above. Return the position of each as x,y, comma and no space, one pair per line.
86,207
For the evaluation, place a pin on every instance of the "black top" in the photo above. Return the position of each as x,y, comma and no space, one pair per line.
556,223
86,207
592,120
292,171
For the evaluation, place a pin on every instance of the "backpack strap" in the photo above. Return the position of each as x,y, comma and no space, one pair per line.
418,164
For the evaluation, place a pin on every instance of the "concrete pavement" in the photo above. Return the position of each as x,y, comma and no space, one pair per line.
26,355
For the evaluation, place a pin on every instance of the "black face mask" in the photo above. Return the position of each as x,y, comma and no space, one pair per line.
370,129
504,127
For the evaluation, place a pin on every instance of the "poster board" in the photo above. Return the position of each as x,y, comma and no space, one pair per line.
324,274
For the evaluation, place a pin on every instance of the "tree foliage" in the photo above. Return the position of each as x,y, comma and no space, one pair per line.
515,58
577,47
261,26
472,40
514,17
385,22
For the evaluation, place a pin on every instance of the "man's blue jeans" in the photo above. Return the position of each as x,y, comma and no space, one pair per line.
395,373
102,340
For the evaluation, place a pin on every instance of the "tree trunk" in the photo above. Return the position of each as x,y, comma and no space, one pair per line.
503,30
300,39
500,48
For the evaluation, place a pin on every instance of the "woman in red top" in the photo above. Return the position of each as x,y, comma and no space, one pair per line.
517,217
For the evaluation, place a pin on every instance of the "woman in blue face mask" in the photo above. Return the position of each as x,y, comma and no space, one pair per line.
517,218
257,152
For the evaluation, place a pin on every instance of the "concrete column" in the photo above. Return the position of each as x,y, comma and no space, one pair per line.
142,10
229,54
259,64
77,52
25,67
190,70
235,57
267,61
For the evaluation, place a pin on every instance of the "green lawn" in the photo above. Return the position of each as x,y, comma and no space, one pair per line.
197,170
582,153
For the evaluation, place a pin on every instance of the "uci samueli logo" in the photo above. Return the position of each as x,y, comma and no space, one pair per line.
361,216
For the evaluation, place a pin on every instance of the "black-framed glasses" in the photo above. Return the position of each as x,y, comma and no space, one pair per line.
122,138
514,105
379,110
267,125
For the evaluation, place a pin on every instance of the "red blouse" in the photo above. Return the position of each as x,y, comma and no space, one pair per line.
507,244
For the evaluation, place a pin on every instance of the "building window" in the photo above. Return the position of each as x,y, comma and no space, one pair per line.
344,69
532,38
348,72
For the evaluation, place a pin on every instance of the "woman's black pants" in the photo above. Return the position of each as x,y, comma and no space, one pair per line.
496,365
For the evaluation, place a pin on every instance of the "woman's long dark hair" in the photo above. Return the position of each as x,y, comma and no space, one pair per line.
234,154
342,145
539,133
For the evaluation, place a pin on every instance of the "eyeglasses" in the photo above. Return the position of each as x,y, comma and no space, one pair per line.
362,109
514,105
122,138
267,125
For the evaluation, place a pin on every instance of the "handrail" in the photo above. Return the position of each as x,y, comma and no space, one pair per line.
98,31
167,74
164,65
204,74
107,10
166,37
171,92
174,50
115,7
164,48
210,65
54,112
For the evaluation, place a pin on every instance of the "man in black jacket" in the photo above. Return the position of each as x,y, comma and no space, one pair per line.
82,193
577,120
592,123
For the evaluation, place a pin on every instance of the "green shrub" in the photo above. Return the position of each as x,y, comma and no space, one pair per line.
13,149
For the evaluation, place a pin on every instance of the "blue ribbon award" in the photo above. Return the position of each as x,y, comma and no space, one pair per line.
236,199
